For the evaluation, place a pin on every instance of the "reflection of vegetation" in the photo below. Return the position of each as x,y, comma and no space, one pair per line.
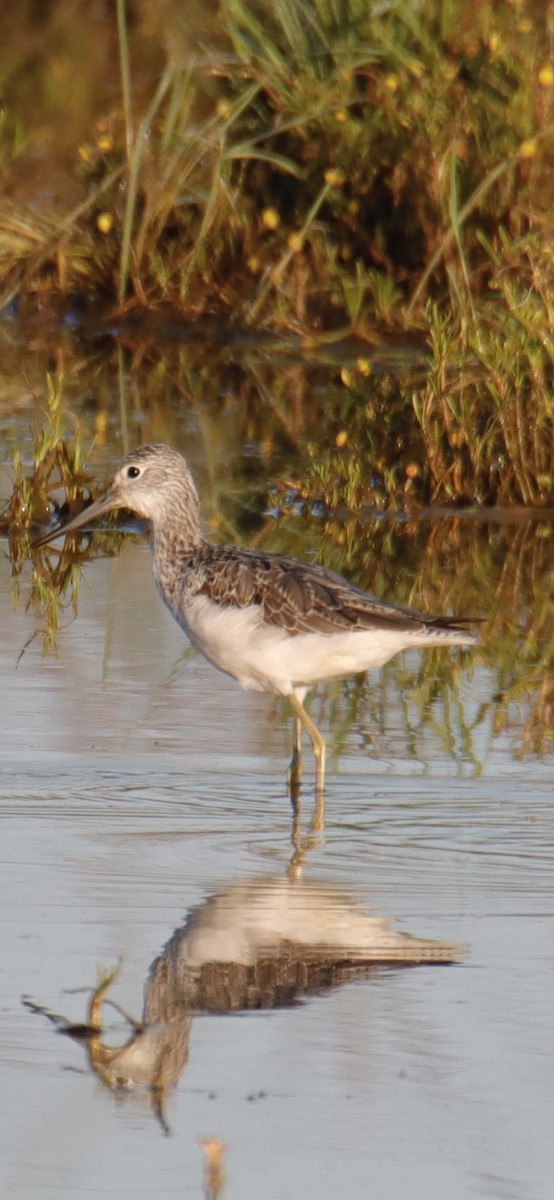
452,432
414,560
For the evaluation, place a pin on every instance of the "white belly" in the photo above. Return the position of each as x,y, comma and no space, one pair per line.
267,658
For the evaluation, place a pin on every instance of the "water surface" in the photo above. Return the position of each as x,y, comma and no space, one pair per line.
140,790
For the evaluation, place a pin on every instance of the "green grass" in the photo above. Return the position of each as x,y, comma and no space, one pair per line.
390,151
324,169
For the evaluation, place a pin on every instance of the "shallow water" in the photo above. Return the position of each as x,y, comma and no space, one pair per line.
141,795
133,788
143,801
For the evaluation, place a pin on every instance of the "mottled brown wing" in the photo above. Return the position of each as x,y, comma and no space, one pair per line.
301,597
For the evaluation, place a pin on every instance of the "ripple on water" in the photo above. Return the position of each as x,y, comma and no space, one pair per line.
99,863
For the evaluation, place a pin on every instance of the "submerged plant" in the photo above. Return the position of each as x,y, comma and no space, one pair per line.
57,466
57,463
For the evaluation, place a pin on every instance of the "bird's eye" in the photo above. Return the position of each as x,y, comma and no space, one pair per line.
132,472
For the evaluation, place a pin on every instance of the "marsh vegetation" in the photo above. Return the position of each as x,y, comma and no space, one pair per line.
343,175
319,236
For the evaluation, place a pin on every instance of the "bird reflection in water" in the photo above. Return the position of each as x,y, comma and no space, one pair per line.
261,943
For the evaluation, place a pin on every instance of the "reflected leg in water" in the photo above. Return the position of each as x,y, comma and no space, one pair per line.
303,843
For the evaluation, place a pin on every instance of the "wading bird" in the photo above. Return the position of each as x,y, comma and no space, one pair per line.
272,622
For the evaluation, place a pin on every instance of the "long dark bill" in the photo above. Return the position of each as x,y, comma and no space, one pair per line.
104,505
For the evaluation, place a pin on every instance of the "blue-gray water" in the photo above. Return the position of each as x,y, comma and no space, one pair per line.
133,788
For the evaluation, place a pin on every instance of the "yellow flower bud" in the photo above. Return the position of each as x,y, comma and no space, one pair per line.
334,177
270,218
104,222
546,76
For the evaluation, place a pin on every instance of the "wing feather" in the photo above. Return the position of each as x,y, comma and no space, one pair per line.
304,597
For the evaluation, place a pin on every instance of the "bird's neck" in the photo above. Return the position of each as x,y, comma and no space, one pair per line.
175,553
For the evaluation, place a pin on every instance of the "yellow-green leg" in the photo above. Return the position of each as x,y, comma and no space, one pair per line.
295,766
295,776
302,720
